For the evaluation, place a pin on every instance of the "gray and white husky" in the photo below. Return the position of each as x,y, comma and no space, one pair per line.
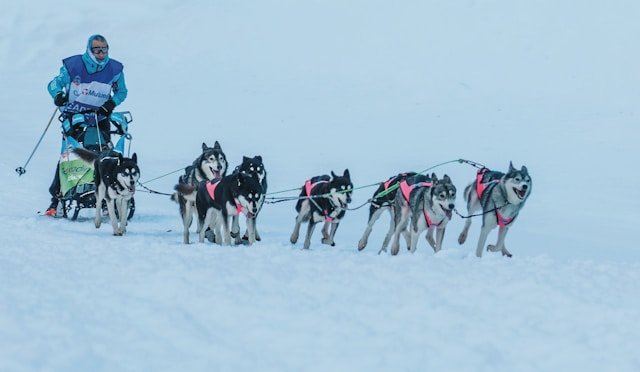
428,203
500,197
115,178
210,165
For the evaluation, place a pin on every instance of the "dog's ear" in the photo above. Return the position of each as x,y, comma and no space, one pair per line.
511,168
524,170
333,175
204,146
434,177
135,158
346,174
446,179
217,146
259,158
245,159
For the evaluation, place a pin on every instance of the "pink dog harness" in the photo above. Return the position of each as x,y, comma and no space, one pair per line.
481,187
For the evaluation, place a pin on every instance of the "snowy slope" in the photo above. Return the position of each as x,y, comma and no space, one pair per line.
372,86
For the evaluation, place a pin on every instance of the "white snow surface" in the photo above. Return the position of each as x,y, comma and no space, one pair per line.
377,87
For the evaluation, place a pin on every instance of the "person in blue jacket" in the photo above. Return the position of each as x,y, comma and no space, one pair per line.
87,82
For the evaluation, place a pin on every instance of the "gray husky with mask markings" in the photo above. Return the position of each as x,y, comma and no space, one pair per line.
210,165
500,197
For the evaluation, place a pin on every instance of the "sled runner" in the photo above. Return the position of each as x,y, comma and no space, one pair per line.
77,184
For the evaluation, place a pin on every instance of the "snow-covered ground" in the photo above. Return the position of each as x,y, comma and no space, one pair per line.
376,87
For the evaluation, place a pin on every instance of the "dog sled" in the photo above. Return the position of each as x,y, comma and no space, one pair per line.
77,185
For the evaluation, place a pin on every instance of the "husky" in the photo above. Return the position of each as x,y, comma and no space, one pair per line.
432,210
218,201
210,165
500,197
427,202
115,178
253,167
323,198
382,200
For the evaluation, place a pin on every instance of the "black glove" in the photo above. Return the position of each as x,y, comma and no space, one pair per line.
60,99
107,108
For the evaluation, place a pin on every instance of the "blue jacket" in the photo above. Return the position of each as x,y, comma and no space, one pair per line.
62,82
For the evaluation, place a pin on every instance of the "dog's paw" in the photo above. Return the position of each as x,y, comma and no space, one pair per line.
362,244
328,241
462,238
294,239
431,242
394,249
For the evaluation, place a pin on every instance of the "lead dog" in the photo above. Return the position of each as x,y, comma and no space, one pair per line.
381,201
322,198
211,164
115,179
500,196
218,201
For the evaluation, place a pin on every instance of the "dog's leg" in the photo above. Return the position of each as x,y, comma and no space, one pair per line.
255,228
226,229
401,227
235,229
121,205
473,204
484,232
203,223
251,230
99,193
310,228
387,237
326,235
502,234
430,240
439,238
112,216
332,234
373,217
187,219
304,209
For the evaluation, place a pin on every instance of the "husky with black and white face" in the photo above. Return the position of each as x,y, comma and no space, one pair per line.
323,198
219,201
253,167
501,197
211,164
115,178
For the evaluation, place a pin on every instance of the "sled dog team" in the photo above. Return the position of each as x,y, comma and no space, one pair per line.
416,202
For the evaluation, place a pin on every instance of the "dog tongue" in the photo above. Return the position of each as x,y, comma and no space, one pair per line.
448,213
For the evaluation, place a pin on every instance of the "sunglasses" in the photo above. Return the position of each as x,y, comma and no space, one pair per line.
97,50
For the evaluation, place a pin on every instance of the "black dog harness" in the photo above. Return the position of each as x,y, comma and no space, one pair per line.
211,189
308,186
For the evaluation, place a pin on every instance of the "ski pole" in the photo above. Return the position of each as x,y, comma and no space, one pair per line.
22,170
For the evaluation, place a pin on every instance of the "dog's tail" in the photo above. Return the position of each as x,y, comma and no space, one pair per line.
86,155
186,191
